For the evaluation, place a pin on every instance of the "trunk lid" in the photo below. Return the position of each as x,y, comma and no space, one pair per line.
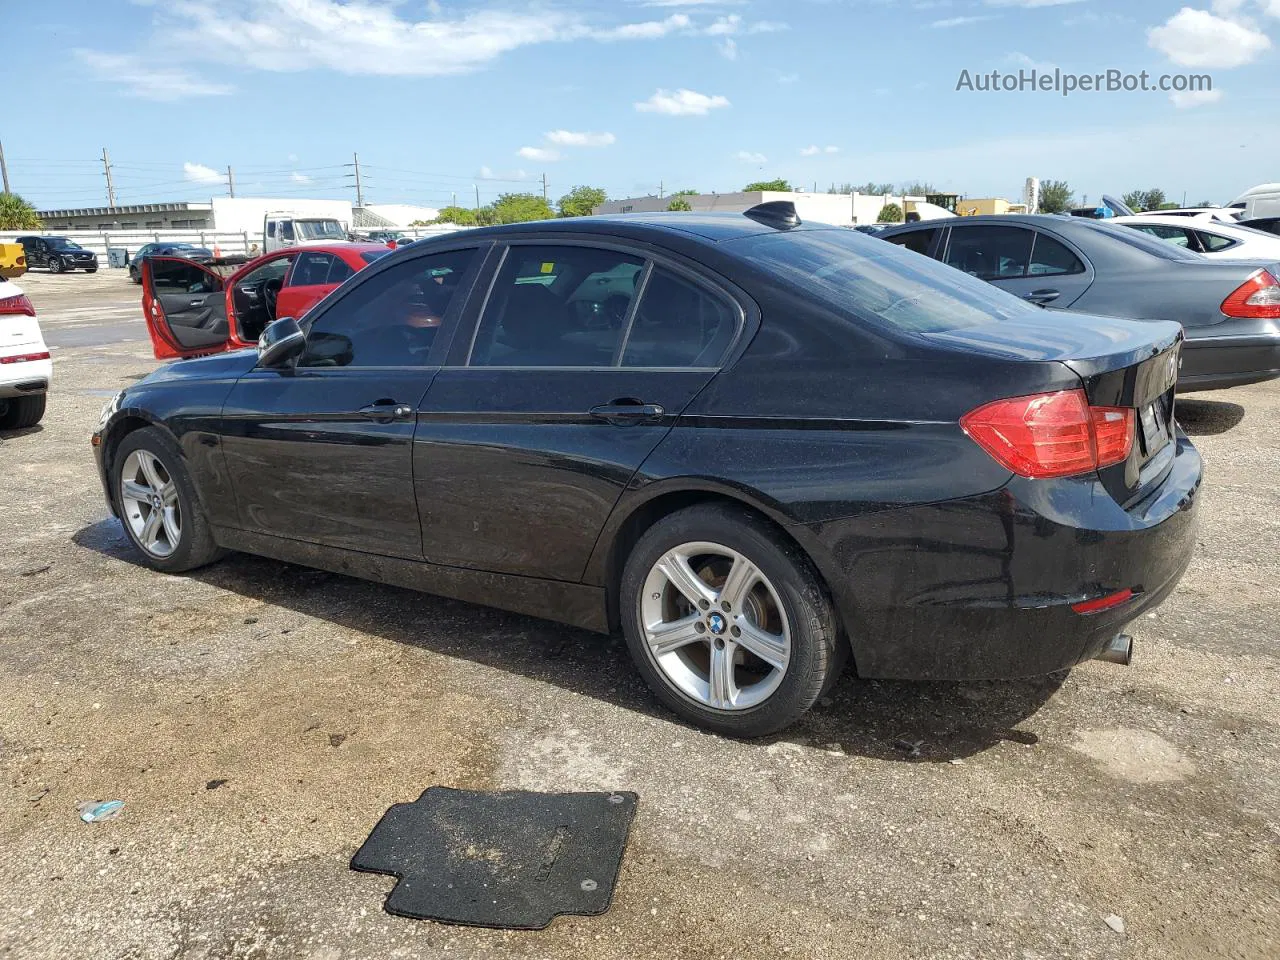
17,329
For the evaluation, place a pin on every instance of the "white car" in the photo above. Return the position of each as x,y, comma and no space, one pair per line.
1213,238
25,368
1224,214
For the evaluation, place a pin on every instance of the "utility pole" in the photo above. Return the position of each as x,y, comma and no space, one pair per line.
544,188
477,198
661,187
455,198
355,162
111,189
4,169
231,182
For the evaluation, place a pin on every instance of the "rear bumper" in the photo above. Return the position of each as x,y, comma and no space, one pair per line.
25,378
1216,363
984,587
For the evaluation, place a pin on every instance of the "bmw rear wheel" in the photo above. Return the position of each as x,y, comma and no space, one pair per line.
728,622
156,502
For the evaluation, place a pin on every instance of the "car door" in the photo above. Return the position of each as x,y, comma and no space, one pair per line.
254,293
583,356
309,281
185,307
322,451
1031,264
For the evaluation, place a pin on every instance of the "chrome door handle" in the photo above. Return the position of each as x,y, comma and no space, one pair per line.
386,411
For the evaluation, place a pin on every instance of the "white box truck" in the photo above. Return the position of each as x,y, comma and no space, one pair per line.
281,229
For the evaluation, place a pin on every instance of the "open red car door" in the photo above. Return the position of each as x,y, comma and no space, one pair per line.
185,306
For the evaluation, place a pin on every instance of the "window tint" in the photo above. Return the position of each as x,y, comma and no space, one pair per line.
271,228
678,324
178,276
1142,241
311,269
990,253
286,230
557,307
390,319
339,271
1049,258
880,282
1213,242
917,240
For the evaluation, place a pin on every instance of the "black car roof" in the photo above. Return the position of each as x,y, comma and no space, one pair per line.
711,227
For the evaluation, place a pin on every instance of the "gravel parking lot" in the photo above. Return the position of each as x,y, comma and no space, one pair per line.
257,719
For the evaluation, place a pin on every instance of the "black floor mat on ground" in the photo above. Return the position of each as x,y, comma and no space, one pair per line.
507,859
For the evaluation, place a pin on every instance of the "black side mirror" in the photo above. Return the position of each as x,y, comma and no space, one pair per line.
281,343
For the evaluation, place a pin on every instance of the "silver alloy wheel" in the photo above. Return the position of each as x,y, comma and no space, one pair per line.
714,626
149,502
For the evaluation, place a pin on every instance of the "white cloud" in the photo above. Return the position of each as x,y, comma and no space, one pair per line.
733,24
649,30
570,138
767,26
814,150
1197,38
147,80
725,25
728,48
1270,7
543,154
788,77
1022,60
1194,98
746,156
199,173
375,36
949,22
682,103
297,177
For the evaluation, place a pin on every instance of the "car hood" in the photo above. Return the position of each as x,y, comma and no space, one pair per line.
218,366
64,252
1065,335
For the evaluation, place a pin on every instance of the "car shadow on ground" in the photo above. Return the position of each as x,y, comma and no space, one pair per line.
1206,418
24,432
900,721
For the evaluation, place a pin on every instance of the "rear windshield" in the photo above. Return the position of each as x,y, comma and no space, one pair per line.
877,280
1144,241
369,256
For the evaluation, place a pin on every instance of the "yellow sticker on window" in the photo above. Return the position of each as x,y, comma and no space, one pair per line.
548,267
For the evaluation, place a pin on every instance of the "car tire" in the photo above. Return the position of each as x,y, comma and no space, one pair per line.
149,479
135,275
778,601
19,413
90,269
56,265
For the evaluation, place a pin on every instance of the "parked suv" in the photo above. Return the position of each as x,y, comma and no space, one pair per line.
58,254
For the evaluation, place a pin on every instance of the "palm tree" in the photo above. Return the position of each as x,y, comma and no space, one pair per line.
17,214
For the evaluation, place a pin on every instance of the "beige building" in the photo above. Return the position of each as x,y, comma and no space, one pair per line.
984,206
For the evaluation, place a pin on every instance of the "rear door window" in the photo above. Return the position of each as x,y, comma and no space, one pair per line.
1214,242
918,240
311,269
557,306
339,271
1051,258
989,252
678,323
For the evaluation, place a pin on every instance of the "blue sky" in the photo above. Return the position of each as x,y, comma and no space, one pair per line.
440,96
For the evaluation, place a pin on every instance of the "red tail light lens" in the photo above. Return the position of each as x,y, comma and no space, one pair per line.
1258,298
24,357
1051,434
19,304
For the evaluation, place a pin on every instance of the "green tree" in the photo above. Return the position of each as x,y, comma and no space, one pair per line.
679,204
1055,196
686,193
890,213
1156,199
871,188
1135,200
780,185
17,214
520,207
580,201
915,188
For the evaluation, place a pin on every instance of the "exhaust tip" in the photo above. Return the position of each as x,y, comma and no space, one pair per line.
1119,649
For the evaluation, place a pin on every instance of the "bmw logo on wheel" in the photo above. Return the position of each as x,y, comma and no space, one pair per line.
715,623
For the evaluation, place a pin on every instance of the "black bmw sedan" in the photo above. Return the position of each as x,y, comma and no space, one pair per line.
760,449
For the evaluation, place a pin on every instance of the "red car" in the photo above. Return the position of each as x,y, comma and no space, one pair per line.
190,310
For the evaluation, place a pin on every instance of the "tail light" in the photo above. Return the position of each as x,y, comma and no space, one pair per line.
24,357
19,304
1258,298
1052,434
